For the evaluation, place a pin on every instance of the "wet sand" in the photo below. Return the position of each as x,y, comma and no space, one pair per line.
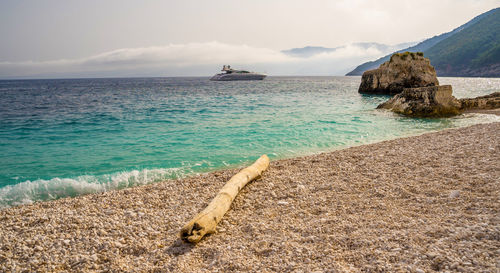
417,204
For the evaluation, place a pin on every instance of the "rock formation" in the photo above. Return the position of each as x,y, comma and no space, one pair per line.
418,94
491,101
403,70
432,101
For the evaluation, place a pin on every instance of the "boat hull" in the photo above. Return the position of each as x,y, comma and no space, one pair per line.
238,77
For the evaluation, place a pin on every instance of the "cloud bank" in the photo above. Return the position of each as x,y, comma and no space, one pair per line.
194,59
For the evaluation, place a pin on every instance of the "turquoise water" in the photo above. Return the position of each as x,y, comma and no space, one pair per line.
68,137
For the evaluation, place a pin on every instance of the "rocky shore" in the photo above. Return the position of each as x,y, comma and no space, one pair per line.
417,204
438,101
432,101
488,102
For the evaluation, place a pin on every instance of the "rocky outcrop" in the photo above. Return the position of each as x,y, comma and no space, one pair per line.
491,101
418,94
403,70
432,101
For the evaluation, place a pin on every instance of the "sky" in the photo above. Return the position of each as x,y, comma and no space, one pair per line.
106,38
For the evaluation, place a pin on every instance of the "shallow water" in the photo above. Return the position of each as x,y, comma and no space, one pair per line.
69,137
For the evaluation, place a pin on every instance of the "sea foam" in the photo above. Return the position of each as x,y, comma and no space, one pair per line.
28,192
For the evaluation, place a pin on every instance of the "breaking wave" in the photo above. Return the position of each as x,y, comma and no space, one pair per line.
28,192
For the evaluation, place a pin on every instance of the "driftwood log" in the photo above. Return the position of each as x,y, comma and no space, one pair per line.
206,221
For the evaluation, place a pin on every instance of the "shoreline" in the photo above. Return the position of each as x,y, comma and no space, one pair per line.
423,202
23,193
484,111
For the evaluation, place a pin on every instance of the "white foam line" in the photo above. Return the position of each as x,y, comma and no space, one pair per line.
28,192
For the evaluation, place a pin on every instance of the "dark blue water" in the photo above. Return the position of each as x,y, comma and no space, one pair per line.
69,137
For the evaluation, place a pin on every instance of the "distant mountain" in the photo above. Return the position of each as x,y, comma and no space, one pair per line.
309,51
472,49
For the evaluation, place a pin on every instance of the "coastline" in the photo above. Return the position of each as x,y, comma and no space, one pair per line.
29,192
484,111
423,202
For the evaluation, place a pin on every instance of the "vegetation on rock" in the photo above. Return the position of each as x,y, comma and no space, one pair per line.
403,70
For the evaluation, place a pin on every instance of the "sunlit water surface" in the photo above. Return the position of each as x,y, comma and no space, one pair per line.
69,137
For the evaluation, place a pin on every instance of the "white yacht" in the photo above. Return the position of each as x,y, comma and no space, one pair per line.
236,75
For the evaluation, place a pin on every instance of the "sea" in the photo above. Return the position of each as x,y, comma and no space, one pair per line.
68,137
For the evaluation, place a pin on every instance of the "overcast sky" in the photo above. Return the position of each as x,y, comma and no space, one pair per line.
44,37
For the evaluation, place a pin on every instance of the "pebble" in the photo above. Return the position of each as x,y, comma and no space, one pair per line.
109,212
102,232
432,255
130,214
454,194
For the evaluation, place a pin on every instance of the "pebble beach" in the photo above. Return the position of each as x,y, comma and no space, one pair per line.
417,204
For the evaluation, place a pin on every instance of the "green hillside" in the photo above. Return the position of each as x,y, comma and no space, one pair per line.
469,50
474,51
